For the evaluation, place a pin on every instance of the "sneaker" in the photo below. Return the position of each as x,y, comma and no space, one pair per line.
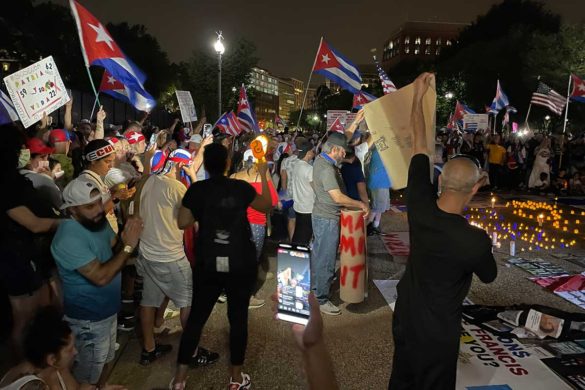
127,301
222,298
204,358
126,325
377,231
329,309
159,350
255,303
244,385
177,386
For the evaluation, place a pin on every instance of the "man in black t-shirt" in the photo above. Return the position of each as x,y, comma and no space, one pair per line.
445,252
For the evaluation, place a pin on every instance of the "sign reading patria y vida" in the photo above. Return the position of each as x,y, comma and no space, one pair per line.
35,90
187,107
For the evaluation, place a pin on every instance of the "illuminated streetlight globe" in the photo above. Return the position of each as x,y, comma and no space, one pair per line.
449,95
547,117
219,48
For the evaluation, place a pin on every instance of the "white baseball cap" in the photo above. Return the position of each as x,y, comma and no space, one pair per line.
78,193
196,138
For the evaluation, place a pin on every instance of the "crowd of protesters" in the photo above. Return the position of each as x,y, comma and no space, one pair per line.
522,161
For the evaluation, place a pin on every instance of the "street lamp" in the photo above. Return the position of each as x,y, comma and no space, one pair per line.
219,49
449,95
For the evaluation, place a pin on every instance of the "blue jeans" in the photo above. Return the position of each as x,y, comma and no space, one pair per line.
325,244
95,342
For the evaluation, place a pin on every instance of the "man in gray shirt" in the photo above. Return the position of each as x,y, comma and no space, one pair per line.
329,199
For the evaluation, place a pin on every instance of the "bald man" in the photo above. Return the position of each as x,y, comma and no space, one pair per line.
445,252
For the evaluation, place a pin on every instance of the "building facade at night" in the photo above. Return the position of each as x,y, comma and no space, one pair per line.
287,102
423,40
265,88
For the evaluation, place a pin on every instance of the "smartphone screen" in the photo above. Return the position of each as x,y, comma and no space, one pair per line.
294,283
207,129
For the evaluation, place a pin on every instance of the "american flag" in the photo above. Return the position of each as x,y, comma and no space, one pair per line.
387,85
547,97
228,124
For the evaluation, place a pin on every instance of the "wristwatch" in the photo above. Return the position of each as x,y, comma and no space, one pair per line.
128,249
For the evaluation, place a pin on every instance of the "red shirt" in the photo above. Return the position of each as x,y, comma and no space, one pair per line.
256,217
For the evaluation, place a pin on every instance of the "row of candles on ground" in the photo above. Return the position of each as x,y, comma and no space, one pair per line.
535,237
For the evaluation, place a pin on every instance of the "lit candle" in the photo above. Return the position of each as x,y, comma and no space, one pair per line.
493,202
540,219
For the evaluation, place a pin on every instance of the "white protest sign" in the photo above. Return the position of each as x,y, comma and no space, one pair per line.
346,117
35,90
474,122
188,113
499,361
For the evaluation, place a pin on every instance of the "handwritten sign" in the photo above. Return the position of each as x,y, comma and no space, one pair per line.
389,121
188,113
35,90
352,244
346,117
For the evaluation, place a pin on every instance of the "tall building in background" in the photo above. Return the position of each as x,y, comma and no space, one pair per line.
299,87
423,40
286,99
265,88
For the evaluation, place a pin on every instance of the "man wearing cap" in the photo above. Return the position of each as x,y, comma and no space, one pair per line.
60,140
163,263
90,272
137,143
329,200
122,172
99,157
38,172
302,192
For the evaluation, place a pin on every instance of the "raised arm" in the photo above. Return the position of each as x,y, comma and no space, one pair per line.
354,125
68,122
421,85
99,124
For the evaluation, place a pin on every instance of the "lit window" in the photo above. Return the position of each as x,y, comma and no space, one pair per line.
416,51
428,51
391,46
417,41
448,43
438,42
407,49
428,41
406,40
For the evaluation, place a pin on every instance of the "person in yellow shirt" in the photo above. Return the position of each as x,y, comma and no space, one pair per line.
496,160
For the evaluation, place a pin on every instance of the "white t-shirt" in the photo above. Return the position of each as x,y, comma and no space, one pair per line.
304,196
94,178
288,165
160,201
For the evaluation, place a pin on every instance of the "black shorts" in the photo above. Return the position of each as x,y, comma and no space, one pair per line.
17,275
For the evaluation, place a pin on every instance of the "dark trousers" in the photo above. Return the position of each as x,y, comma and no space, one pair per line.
496,175
206,290
303,229
424,365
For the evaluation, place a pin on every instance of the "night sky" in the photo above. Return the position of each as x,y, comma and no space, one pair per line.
287,32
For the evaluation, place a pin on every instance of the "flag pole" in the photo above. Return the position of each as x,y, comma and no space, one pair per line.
94,105
528,115
565,123
95,92
308,84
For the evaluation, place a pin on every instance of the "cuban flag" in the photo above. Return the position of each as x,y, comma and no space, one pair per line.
246,114
7,112
229,124
334,66
361,98
99,48
578,93
457,118
387,85
500,101
141,100
337,126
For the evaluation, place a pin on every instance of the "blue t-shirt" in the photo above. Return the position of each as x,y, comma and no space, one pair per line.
378,178
352,174
73,247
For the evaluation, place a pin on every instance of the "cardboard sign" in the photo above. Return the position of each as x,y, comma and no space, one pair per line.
35,90
475,122
187,107
388,119
345,117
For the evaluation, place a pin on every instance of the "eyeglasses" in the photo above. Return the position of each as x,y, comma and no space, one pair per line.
469,157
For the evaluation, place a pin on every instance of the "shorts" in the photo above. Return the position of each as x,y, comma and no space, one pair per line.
173,279
380,200
290,213
17,275
95,342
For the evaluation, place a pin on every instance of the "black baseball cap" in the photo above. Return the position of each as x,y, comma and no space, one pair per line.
338,139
